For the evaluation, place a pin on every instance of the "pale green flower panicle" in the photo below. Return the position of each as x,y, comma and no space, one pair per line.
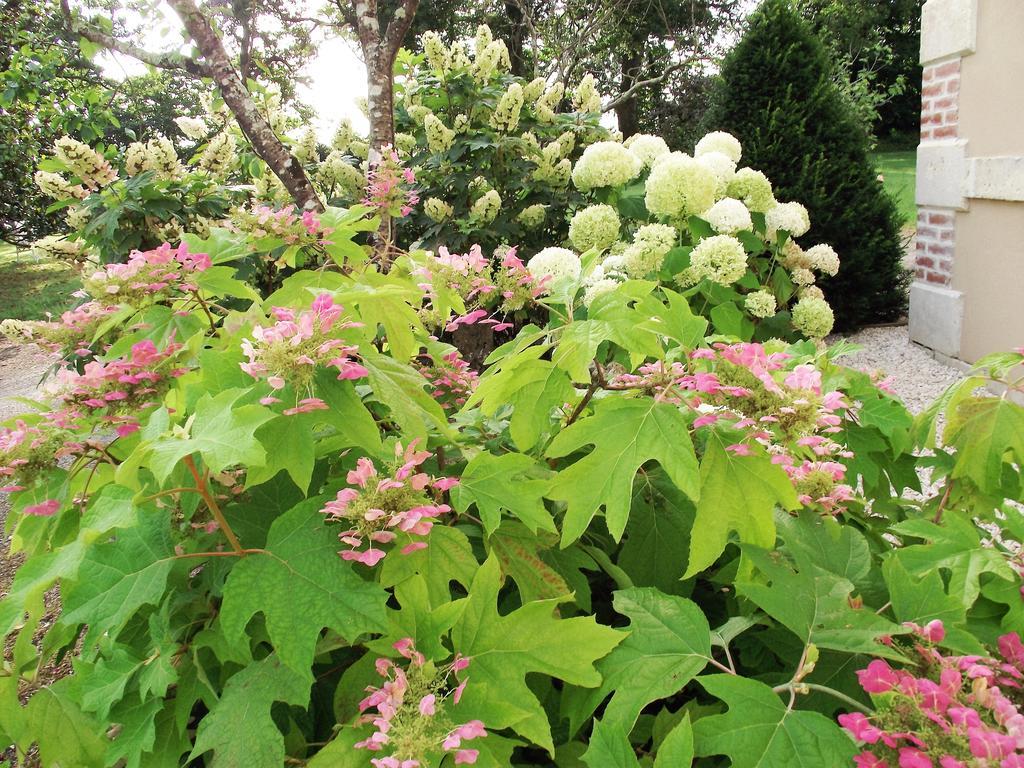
594,227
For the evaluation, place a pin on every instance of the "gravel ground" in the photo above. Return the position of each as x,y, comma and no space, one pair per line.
916,377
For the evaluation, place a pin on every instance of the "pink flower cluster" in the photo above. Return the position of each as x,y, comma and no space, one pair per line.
290,351
285,224
147,275
949,712
114,392
73,331
783,409
26,450
452,379
487,291
387,190
411,718
378,508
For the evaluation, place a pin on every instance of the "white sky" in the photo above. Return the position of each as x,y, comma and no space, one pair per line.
337,76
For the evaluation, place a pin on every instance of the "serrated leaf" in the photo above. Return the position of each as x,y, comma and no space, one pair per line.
506,648
668,644
677,748
921,600
221,432
986,432
447,557
239,729
759,731
519,552
625,433
658,534
610,747
347,414
815,606
509,482
293,449
301,586
737,493
403,391
118,577
136,732
66,737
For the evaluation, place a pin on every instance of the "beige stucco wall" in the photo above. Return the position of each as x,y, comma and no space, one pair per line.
989,262
992,82
989,269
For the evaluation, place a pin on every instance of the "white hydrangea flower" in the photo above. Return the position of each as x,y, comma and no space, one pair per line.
547,102
532,216
722,166
418,113
343,136
594,227
77,216
647,252
598,288
728,216
824,259
605,164
56,186
56,247
438,56
219,155
486,208
191,127
753,189
506,114
721,259
84,162
305,148
560,263
760,303
437,209
405,143
494,58
813,317
791,217
793,256
360,149
647,148
720,141
439,137
801,276
679,186
812,292
534,89
586,98
163,159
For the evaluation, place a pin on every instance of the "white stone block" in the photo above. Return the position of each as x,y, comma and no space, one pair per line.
948,28
936,317
941,171
996,178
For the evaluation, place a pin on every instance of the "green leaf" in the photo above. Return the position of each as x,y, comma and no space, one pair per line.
118,577
403,391
658,534
111,508
519,552
668,644
347,414
730,320
239,729
759,731
954,546
384,301
621,325
301,586
921,600
738,493
610,747
815,606
448,557
986,432
505,649
676,321
625,433
293,449
221,432
534,388
66,737
136,734
677,748
508,481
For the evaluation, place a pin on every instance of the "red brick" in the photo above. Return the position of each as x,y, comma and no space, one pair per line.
940,249
945,132
929,74
935,277
947,69
919,274
925,135
947,235
924,261
945,102
927,233
953,116
931,119
935,89
953,86
946,266
940,218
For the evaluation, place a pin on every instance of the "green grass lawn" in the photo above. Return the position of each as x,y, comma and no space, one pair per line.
30,288
899,170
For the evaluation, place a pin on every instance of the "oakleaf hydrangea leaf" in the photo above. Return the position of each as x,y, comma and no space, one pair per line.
301,586
738,493
509,481
759,731
625,433
505,649
610,747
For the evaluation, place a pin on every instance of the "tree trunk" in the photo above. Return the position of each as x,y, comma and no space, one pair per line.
625,112
380,101
516,37
264,141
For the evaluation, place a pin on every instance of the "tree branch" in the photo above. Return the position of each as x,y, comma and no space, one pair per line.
398,26
628,94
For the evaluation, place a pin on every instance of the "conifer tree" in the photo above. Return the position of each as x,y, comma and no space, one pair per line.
775,94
